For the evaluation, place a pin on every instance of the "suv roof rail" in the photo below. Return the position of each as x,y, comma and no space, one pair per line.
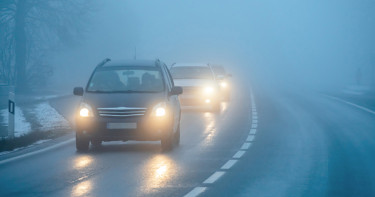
101,64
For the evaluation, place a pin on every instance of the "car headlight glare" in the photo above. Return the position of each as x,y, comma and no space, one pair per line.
159,110
85,110
208,90
223,84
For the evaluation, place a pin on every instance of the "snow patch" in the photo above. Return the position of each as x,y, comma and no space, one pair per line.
48,117
22,127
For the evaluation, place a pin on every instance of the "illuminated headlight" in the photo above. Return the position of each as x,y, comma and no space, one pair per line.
159,110
223,84
207,101
85,110
208,90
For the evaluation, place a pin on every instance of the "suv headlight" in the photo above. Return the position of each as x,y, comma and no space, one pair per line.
85,110
159,110
223,84
208,90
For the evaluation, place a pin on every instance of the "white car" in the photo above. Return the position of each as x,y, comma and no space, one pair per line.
199,84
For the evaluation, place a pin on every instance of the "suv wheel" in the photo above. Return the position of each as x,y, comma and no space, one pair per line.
96,143
82,142
167,142
177,136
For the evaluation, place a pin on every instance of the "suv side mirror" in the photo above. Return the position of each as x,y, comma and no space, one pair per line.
78,91
176,90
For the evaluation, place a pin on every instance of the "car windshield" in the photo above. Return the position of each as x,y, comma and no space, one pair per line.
191,72
126,80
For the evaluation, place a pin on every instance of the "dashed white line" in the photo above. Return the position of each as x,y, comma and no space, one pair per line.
253,131
250,138
195,192
255,117
239,154
214,177
245,146
254,125
255,121
229,164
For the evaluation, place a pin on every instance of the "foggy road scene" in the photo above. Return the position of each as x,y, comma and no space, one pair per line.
187,98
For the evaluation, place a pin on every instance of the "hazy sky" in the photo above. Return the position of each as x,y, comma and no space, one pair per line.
320,42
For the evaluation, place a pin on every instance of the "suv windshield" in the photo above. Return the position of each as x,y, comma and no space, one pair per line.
126,80
191,72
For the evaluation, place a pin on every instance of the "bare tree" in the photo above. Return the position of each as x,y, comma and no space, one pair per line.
30,27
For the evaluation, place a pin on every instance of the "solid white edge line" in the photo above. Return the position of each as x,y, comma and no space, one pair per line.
252,132
352,104
229,164
239,154
37,152
245,145
214,177
250,138
195,192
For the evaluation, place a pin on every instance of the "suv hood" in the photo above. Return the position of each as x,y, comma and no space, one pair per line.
102,100
193,82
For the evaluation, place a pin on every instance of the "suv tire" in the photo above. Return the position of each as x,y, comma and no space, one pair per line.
177,136
82,142
167,142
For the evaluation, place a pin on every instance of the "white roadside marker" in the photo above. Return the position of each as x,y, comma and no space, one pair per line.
229,164
239,154
214,177
245,146
195,192
250,138
253,131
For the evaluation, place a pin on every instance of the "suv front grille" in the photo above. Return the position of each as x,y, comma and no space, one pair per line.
121,111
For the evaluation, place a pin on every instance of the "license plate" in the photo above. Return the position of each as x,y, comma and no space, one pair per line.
122,125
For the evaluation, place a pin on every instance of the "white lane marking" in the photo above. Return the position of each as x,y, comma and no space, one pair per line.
229,164
195,192
255,121
255,117
352,104
239,154
253,131
37,152
245,146
214,177
250,138
254,125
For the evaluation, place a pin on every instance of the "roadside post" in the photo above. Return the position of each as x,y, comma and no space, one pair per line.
12,113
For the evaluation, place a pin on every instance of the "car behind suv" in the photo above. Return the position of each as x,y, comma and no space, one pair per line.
128,100
199,84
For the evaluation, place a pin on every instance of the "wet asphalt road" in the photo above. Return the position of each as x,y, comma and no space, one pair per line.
306,144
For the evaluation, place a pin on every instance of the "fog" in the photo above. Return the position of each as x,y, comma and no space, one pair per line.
316,44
